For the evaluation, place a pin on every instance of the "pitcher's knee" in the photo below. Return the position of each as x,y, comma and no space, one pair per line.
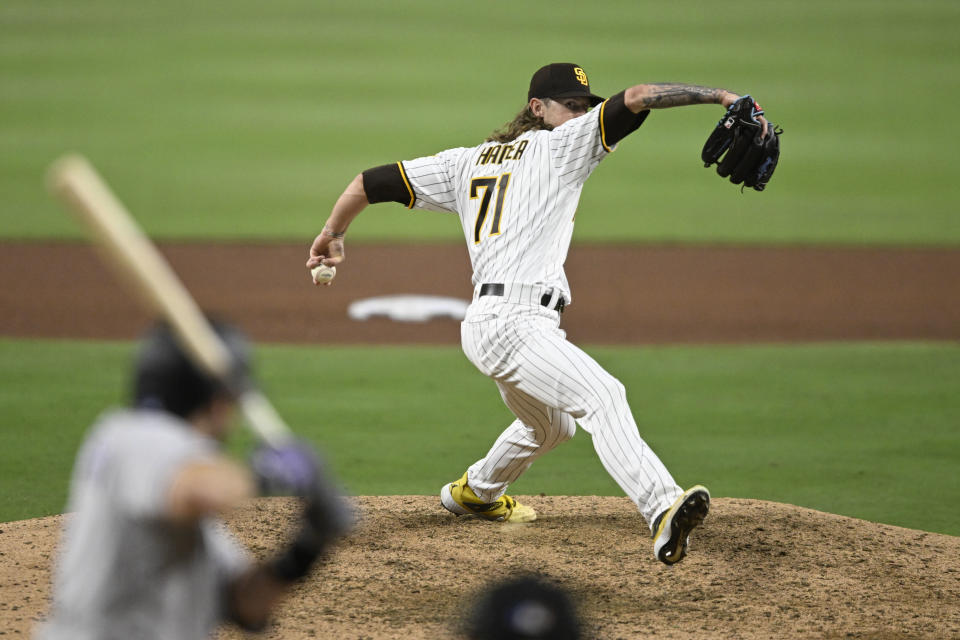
558,427
554,433
613,390
566,429
609,395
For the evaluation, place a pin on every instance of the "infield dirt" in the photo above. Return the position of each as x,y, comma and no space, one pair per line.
632,295
756,569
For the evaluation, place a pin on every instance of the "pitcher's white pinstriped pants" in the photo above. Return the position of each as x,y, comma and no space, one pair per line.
549,383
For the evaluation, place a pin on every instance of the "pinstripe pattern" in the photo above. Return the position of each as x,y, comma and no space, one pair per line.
548,383
538,207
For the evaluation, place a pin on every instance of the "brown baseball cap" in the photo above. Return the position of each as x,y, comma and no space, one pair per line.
561,80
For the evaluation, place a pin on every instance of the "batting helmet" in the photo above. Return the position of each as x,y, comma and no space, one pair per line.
165,378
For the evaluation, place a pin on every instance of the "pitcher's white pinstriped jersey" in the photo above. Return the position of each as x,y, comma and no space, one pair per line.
517,203
516,200
517,196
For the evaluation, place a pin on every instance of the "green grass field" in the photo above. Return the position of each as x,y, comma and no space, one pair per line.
864,430
245,119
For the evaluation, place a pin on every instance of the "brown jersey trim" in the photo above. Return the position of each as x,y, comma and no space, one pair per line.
617,121
388,183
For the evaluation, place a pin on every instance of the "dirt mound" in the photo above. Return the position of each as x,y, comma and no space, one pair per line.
756,570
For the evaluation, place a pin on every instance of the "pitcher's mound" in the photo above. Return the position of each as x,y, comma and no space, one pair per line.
754,570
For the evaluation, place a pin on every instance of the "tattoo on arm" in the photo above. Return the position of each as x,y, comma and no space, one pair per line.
673,94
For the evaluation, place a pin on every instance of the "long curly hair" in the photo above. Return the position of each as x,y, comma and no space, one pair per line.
524,121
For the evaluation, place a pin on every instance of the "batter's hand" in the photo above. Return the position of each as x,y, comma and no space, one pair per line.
292,468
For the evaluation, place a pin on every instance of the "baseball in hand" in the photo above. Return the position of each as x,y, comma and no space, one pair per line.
323,274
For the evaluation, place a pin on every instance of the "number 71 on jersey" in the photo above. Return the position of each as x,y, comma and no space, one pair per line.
488,184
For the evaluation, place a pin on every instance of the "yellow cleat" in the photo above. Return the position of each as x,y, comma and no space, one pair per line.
458,498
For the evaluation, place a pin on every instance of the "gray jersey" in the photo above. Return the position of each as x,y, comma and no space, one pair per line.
516,200
124,570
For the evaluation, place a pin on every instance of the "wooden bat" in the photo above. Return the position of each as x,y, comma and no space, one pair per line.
136,260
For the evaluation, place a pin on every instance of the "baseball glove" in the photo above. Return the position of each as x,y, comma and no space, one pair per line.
740,149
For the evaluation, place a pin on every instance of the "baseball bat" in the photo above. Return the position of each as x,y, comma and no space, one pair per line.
136,260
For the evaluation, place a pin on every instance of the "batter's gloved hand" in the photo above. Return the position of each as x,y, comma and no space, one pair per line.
740,146
288,469
296,468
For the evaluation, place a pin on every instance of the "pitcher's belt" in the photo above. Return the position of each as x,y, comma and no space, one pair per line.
496,289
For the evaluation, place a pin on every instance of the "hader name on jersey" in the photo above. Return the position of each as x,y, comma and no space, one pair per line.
499,152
